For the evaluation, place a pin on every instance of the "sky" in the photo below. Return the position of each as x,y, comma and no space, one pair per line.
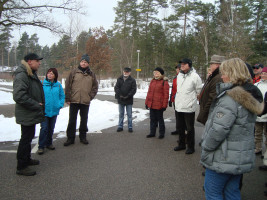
99,13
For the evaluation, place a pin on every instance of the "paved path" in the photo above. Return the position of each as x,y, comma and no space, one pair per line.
117,166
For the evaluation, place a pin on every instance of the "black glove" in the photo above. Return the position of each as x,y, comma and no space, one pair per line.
147,107
170,104
163,109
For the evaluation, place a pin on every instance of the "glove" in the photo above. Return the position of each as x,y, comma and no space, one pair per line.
163,109
170,104
147,107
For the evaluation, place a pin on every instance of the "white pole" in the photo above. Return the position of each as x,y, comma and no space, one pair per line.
138,51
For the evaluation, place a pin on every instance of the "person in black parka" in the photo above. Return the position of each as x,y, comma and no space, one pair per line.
125,89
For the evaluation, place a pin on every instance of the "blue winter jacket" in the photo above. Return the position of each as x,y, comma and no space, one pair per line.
54,97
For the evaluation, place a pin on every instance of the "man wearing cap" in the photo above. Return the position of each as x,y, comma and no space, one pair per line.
172,95
80,89
208,92
29,109
125,89
188,88
257,69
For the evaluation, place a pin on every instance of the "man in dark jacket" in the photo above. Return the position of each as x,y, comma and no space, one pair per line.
125,89
29,109
208,92
80,89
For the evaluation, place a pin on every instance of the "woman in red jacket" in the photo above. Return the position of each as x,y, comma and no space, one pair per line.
157,101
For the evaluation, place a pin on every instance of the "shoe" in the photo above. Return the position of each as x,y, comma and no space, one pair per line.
257,152
174,133
40,151
203,173
84,141
161,137
130,130
263,167
179,148
150,135
189,151
51,147
119,129
68,142
33,162
26,172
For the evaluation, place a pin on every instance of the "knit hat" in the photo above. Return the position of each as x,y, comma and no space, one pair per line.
86,58
215,59
32,56
264,70
127,69
160,70
186,61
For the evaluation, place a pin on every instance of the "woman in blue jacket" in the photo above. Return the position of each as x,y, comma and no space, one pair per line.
54,101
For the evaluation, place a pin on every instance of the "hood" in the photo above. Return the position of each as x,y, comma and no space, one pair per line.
24,67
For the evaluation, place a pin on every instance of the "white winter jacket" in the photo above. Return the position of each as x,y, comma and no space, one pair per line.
188,87
262,85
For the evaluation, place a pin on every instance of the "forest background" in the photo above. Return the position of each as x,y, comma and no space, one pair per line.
139,38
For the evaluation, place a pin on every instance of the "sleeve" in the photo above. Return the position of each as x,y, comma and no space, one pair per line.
117,89
61,96
198,84
165,94
94,89
67,87
133,89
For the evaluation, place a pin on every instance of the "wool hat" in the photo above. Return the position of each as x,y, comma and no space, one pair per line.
160,70
216,59
32,56
257,66
86,58
127,69
186,61
264,70
54,70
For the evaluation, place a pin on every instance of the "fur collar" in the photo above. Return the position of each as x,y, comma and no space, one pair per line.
28,68
162,77
246,99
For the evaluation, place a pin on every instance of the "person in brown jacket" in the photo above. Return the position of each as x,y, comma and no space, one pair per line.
80,89
208,91
157,101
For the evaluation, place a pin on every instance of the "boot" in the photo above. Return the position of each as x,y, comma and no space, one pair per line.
68,142
26,172
40,151
51,147
84,141
179,148
33,162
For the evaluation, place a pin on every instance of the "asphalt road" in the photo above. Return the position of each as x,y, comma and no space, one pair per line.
116,166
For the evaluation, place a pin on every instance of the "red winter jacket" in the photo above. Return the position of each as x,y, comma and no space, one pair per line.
158,93
174,89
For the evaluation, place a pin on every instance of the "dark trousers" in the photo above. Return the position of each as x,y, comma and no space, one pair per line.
71,130
156,117
186,121
24,148
46,132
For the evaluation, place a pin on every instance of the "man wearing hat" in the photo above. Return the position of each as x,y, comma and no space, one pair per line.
208,92
125,89
80,89
188,88
29,109
257,69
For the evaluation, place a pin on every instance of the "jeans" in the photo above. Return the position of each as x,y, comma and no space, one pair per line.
219,186
71,129
46,132
156,118
24,148
129,115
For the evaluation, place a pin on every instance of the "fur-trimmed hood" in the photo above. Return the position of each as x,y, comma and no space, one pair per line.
162,77
28,68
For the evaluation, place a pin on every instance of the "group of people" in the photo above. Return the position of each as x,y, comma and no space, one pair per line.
229,102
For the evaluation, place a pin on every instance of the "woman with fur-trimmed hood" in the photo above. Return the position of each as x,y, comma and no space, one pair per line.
228,139
157,101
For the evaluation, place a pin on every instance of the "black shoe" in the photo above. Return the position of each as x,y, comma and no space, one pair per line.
68,142
263,167
150,135
161,137
84,141
130,130
33,162
174,133
179,148
189,151
119,129
51,147
26,172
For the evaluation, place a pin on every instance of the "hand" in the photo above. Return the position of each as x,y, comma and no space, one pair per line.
170,104
40,104
147,107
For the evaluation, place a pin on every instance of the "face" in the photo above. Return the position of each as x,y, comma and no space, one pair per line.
213,67
156,74
126,73
257,71
225,78
84,64
264,75
50,76
185,67
34,64
177,70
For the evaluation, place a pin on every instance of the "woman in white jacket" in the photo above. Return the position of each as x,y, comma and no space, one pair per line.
260,125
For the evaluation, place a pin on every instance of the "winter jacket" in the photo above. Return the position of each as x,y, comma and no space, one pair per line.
207,95
188,87
54,97
158,93
125,90
228,139
174,89
262,85
28,94
81,87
